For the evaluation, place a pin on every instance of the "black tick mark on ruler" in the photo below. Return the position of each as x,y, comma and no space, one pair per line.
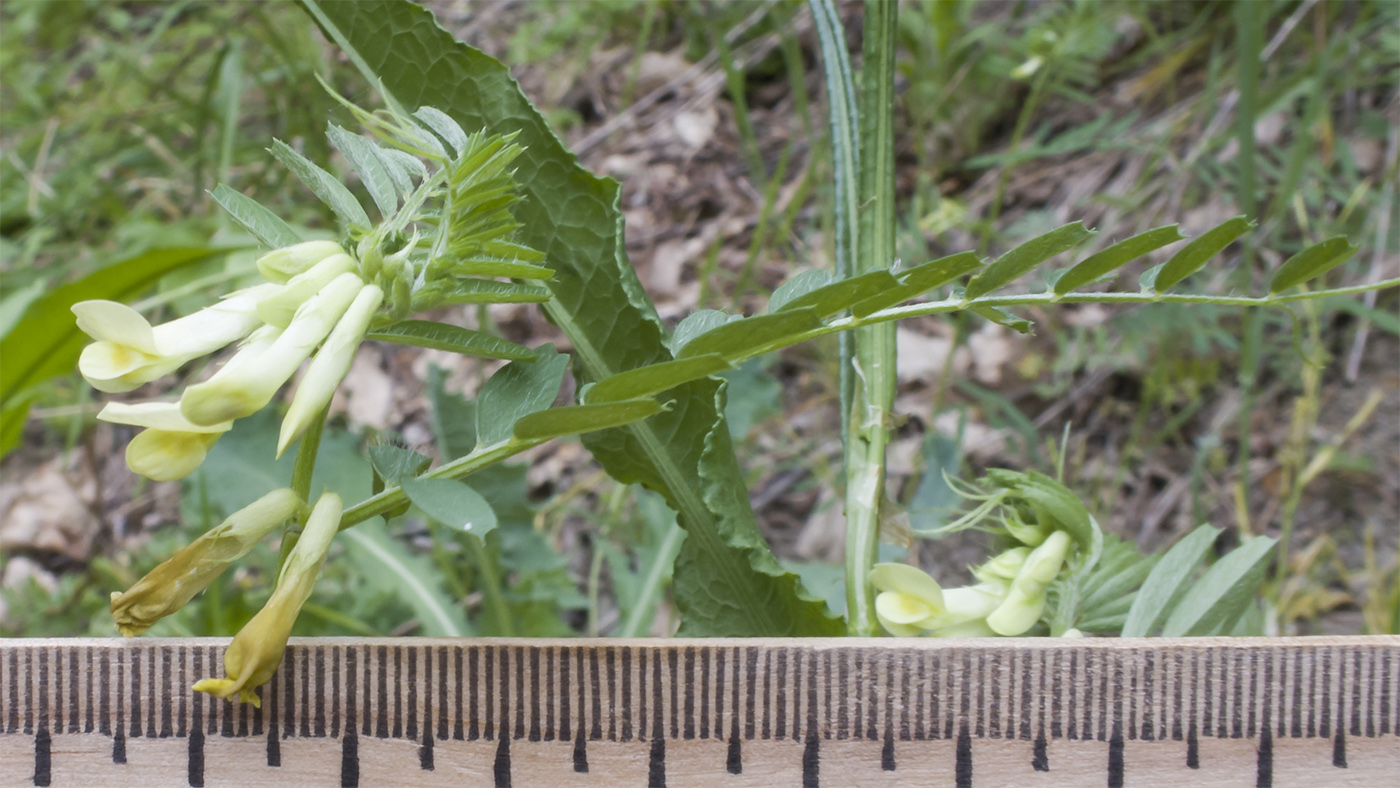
42,762
1115,761
425,753
1264,774
502,767
962,770
350,760
196,763
1040,759
811,761
656,772
580,753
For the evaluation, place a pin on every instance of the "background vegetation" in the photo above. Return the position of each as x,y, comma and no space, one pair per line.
1012,118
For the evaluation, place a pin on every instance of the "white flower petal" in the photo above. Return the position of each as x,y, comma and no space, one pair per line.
114,322
156,415
166,456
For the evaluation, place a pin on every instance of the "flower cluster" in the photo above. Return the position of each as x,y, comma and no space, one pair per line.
315,296
1046,523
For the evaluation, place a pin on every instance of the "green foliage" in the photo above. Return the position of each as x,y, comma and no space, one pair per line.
455,339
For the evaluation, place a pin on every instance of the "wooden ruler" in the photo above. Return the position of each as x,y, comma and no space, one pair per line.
838,712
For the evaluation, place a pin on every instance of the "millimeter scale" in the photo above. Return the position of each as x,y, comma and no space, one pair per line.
747,712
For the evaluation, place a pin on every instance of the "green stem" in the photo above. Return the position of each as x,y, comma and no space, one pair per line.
644,609
393,496
491,586
867,431
302,472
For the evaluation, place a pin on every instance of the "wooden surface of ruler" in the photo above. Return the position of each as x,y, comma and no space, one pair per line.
840,712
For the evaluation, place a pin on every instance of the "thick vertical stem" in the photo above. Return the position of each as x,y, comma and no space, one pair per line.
873,396
1247,26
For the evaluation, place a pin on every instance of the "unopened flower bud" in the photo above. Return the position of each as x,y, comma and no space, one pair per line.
257,649
1026,599
279,308
329,366
1004,567
171,447
129,352
168,587
280,265
252,377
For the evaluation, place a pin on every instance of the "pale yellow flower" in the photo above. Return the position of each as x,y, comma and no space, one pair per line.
129,352
252,377
171,447
257,649
279,308
329,366
280,265
168,587
1025,600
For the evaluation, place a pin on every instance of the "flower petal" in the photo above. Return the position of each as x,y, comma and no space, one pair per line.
156,415
166,456
114,322
909,580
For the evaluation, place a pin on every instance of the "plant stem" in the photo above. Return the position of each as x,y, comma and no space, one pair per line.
867,432
651,585
301,484
491,586
1248,22
393,496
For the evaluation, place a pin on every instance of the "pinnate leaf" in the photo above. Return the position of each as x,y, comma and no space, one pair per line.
373,174
655,378
796,286
1167,581
456,339
515,391
451,503
1312,262
325,186
919,280
831,298
266,225
1021,260
1198,252
574,419
1226,589
1103,262
738,337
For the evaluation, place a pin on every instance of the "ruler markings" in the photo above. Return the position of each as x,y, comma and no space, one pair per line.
1263,693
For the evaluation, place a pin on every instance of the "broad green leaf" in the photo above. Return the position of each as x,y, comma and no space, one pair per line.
737,337
46,342
919,280
655,378
574,419
261,222
515,391
837,296
16,303
325,186
452,504
1225,590
12,418
1198,252
695,324
489,291
359,152
413,577
1167,581
1103,262
1312,262
572,216
1003,318
445,336
799,284
1019,261
393,463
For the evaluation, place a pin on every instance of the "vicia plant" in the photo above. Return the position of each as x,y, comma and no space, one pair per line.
506,215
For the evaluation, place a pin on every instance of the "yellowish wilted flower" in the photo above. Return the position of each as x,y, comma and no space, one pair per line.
329,366
129,352
168,587
252,377
257,649
280,265
171,447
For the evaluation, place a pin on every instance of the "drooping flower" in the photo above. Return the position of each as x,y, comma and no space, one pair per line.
1025,600
280,265
329,366
171,447
168,587
909,602
279,308
257,649
129,352
252,377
